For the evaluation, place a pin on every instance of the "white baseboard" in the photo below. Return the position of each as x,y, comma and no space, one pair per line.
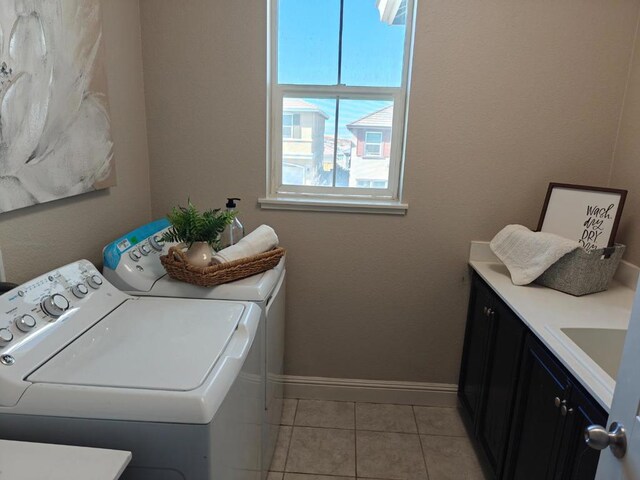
373,391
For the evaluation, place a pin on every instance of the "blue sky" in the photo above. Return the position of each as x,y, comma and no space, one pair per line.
308,43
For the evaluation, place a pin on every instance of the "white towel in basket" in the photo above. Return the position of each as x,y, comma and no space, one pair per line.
528,254
261,240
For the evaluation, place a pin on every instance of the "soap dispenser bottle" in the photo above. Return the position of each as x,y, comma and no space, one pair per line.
234,231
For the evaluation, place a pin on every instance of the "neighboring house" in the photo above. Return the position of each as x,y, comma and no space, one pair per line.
370,161
343,161
303,126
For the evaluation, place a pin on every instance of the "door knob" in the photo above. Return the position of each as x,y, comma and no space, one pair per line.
598,438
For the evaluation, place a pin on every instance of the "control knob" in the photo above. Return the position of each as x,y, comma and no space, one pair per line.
5,336
135,255
156,242
25,323
80,290
144,250
94,281
55,305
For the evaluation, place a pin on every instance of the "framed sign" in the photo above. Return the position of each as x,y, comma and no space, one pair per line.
589,215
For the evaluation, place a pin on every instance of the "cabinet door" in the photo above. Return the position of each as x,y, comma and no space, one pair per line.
474,355
578,461
536,432
502,374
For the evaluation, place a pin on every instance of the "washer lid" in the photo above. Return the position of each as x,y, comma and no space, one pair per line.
149,343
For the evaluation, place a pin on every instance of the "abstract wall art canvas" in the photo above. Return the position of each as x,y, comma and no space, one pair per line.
55,138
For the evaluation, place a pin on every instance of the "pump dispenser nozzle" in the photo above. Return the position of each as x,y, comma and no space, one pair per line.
231,202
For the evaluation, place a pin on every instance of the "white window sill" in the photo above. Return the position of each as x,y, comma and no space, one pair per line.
381,207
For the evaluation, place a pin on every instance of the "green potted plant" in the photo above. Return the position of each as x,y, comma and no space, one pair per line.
200,232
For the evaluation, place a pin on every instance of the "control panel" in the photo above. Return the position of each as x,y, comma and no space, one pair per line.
132,262
147,246
40,303
41,317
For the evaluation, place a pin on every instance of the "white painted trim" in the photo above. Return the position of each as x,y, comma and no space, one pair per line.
342,206
277,92
395,95
347,92
371,391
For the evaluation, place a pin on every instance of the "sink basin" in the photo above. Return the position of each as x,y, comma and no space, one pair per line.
602,345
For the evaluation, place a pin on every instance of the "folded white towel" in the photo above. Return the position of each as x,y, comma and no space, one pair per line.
261,240
528,254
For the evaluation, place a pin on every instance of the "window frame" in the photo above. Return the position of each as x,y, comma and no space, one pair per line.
278,194
292,127
370,181
379,144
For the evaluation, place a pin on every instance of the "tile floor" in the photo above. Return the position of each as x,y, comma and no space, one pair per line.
324,440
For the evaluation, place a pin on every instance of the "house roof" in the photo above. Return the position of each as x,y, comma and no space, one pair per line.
344,145
299,105
382,118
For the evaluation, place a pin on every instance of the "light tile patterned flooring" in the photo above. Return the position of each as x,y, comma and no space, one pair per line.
325,440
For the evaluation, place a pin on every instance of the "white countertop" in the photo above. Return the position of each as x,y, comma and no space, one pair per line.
41,461
545,311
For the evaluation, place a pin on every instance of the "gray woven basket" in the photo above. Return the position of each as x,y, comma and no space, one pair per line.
580,273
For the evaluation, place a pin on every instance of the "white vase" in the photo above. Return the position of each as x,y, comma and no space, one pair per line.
199,254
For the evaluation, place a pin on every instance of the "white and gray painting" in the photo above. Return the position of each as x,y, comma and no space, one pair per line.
55,136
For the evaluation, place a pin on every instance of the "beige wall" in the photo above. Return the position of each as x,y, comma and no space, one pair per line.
506,97
36,239
625,171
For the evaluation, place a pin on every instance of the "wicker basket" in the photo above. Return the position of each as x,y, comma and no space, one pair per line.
176,265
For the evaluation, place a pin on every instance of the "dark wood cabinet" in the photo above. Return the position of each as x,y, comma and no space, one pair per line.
475,351
492,350
526,410
551,414
506,339
538,423
578,461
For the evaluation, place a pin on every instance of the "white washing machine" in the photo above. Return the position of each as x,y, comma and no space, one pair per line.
132,264
177,382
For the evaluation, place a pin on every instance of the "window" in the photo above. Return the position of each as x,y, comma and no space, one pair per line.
290,125
371,183
373,144
339,73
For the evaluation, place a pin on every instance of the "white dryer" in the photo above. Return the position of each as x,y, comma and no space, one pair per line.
177,382
132,264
